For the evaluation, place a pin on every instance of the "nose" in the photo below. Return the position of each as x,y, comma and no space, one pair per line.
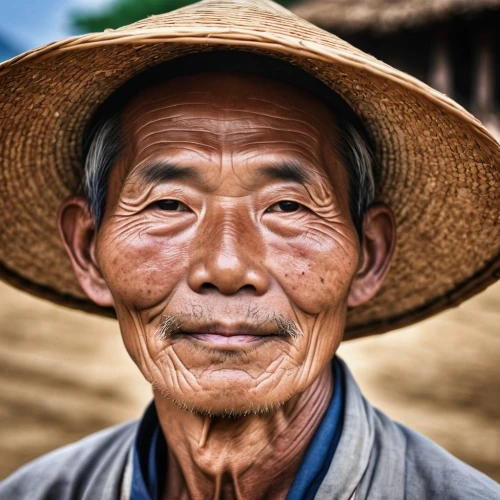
229,258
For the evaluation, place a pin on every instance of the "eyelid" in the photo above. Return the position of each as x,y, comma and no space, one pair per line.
286,192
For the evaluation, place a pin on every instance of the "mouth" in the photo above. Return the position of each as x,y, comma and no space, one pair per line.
235,337
223,335
233,340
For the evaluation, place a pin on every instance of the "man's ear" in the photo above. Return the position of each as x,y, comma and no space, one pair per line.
78,232
377,247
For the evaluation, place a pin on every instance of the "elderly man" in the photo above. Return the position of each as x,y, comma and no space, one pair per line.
243,176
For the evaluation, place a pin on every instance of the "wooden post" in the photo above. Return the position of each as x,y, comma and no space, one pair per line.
441,68
483,100
483,94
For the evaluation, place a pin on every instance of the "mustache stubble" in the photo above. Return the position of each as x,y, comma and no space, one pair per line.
171,325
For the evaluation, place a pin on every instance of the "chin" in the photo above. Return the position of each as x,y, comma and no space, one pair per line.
240,409
230,398
253,379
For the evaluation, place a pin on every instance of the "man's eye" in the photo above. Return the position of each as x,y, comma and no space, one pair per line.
173,205
285,206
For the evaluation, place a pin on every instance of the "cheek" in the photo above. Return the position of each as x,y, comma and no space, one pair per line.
140,269
315,273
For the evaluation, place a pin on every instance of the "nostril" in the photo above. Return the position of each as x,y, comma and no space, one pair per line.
208,287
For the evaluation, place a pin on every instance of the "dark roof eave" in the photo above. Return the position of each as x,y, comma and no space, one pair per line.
351,16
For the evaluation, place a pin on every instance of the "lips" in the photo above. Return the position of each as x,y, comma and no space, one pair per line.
219,335
229,334
227,329
233,339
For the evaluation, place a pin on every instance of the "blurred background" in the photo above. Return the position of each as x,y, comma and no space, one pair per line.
65,374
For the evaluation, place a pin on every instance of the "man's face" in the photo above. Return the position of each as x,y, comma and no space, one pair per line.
227,222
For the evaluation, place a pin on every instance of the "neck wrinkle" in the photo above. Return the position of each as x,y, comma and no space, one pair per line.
248,457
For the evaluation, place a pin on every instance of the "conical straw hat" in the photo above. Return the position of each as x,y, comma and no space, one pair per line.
439,166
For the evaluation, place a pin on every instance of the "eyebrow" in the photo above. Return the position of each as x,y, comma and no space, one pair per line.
287,171
165,171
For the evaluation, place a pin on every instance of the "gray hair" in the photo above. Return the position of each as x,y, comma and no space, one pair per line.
105,145
359,159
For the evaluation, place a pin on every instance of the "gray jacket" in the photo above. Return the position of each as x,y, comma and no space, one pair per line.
376,458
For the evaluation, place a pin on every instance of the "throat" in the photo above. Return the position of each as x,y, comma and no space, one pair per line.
250,457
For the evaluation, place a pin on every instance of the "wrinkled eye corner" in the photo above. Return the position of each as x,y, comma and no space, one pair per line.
170,205
285,206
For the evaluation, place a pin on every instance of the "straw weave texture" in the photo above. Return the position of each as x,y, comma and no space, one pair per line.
440,167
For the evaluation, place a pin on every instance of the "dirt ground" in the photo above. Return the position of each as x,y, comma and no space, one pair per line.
65,374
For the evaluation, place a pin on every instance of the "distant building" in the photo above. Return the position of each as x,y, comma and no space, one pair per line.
7,50
453,45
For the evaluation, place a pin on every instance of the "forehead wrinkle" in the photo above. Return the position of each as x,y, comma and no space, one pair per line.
246,133
289,127
214,143
226,120
257,141
180,117
137,107
177,119
265,115
303,111
188,147
150,135
175,88
143,99
136,137
197,104
287,155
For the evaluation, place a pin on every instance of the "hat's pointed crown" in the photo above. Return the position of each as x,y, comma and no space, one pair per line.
257,21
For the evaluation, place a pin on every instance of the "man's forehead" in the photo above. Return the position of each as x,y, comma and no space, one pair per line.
213,95
209,112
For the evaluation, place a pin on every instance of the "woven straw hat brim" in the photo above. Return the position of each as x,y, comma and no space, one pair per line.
440,167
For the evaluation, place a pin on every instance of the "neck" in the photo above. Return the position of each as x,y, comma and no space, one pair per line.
255,456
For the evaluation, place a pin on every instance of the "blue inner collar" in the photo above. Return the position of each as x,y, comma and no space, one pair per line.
150,451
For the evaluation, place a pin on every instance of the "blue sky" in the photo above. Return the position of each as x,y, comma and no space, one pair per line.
30,23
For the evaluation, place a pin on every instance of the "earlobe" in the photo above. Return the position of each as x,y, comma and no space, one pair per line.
377,248
78,233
